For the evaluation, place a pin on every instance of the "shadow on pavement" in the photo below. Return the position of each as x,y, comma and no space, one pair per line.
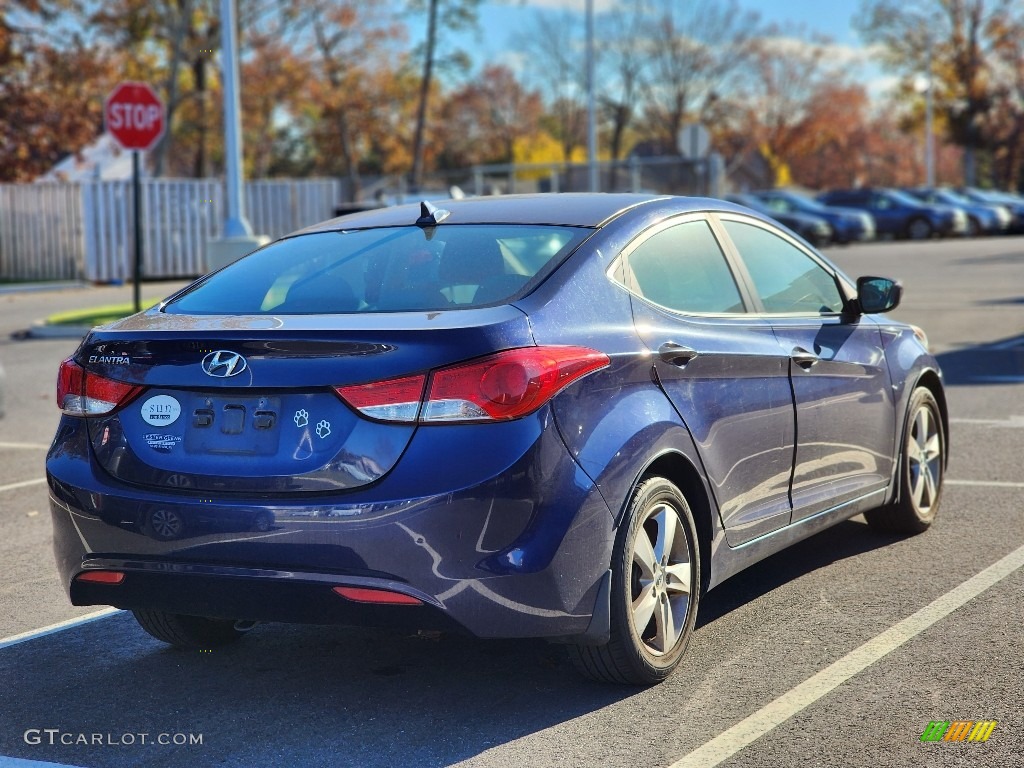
285,695
851,538
998,362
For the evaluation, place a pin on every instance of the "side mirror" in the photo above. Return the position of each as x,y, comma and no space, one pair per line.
878,294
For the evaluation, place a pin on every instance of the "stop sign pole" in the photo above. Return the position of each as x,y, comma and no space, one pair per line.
135,116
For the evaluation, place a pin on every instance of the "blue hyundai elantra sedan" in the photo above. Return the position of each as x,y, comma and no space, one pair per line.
560,416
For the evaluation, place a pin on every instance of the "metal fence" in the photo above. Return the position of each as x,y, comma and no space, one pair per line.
41,232
84,230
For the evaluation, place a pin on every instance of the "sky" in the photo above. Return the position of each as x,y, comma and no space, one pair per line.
830,17
502,20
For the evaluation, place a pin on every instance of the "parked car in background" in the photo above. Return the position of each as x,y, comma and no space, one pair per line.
982,218
1013,204
848,225
814,229
900,215
558,416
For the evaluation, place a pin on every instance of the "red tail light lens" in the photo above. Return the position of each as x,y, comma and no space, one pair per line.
507,385
80,393
499,387
101,577
378,596
392,400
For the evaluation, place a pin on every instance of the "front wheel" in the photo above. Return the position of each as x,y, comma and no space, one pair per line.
922,470
655,590
919,229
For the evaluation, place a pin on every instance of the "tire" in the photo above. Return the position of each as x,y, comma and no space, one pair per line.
189,632
919,229
646,644
973,227
921,471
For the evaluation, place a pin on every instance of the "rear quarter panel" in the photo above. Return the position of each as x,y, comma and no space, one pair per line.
616,421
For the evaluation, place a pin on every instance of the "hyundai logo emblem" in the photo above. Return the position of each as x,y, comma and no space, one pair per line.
223,364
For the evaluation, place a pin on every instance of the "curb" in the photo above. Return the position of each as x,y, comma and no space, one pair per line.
38,287
42,330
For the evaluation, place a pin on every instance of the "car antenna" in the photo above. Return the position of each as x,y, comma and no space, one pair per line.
431,215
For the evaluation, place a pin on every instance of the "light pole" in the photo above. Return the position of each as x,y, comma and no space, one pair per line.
238,239
235,224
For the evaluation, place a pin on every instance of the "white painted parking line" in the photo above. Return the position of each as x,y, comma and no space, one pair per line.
60,626
1013,422
1009,343
986,483
22,484
25,446
774,714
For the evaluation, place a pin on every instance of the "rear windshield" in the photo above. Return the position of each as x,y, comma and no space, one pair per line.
393,269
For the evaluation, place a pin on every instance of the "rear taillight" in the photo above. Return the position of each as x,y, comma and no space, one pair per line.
499,387
391,400
80,393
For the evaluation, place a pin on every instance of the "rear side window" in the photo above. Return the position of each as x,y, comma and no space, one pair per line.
391,269
787,279
683,268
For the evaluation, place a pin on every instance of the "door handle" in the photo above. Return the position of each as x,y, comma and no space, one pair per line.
803,358
676,354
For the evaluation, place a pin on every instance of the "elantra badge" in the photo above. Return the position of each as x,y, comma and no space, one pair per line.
223,363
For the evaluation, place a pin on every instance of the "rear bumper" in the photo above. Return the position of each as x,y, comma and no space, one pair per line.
495,529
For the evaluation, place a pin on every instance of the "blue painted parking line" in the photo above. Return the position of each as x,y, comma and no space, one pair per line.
60,626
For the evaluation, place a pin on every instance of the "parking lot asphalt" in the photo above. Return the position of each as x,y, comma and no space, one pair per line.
747,695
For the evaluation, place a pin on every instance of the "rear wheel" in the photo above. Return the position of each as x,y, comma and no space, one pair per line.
191,632
922,466
655,590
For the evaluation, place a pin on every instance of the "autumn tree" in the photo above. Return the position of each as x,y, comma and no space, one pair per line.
961,38
448,15
621,62
272,76
486,117
554,48
788,70
51,88
695,52
158,41
346,40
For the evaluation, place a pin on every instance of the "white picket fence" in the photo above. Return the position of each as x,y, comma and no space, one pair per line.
84,230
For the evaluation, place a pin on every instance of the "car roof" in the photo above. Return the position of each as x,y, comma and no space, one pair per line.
567,209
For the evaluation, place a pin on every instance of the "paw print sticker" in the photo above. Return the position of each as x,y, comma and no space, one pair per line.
301,418
323,429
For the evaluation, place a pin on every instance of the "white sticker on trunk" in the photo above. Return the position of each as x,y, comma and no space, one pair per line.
161,410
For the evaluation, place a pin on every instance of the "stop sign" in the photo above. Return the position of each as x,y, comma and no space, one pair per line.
134,115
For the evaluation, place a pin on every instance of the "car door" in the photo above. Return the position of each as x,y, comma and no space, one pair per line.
845,415
720,366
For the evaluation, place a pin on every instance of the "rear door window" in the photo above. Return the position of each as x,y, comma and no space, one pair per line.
392,269
683,268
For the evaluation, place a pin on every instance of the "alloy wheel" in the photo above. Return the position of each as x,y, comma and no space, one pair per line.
924,454
660,581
